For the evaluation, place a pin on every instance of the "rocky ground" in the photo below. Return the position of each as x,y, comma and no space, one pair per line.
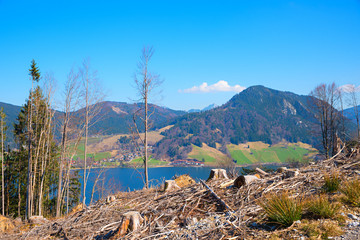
221,208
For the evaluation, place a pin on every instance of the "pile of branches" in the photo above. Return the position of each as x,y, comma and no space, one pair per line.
198,211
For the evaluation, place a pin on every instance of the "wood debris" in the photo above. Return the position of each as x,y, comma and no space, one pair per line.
197,211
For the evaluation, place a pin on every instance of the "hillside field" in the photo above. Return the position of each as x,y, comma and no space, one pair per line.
258,152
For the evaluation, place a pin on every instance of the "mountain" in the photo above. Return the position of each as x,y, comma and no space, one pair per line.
256,114
350,113
117,117
11,111
211,106
113,118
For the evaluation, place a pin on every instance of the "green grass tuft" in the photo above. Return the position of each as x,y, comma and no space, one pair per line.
332,182
351,191
321,207
282,209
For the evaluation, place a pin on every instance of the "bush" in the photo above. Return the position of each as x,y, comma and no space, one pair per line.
320,207
351,191
332,182
282,209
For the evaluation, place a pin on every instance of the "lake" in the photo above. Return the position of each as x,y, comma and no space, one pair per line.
113,180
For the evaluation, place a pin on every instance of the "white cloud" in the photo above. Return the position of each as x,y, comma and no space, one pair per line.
349,88
220,86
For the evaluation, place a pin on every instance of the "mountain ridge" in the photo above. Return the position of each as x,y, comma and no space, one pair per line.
255,114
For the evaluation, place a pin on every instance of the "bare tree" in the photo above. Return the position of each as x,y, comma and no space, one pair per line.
49,87
354,102
325,99
98,178
145,82
93,95
71,102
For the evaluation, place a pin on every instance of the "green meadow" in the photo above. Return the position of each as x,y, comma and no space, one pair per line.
271,154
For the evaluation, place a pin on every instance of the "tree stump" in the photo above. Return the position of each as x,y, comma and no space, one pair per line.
217,173
282,169
244,180
289,173
184,180
5,224
131,221
110,199
170,185
37,220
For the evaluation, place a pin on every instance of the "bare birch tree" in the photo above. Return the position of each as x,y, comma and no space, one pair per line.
145,82
324,100
93,95
354,102
71,102
49,89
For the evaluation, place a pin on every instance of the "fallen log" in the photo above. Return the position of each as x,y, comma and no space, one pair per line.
245,180
216,196
261,172
227,184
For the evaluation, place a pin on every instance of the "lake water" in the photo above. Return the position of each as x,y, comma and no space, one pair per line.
113,180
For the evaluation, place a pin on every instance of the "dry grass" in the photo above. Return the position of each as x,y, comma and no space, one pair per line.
108,143
317,229
321,207
332,182
351,192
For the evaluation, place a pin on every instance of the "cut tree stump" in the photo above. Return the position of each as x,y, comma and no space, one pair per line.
217,173
184,180
131,221
37,220
5,224
289,173
110,199
244,180
170,185
282,169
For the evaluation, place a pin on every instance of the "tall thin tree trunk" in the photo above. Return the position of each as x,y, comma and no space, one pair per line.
146,142
86,136
29,172
62,157
19,191
45,158
2,168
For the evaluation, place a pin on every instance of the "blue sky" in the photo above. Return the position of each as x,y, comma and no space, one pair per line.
285,45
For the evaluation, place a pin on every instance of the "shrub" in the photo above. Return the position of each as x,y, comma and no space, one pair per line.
332,182
282,209
320,207
351,191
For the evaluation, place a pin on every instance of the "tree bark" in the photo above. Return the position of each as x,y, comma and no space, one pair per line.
2,167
